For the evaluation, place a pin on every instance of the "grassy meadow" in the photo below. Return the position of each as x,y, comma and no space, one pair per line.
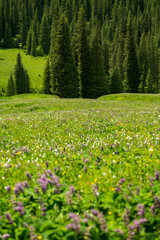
75,169
34,66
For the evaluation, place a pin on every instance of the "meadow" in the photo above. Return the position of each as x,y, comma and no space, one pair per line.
34,65
75,169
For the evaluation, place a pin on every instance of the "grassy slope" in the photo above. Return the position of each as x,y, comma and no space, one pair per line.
131,97
35,66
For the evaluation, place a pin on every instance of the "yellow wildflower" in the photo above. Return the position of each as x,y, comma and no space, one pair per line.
39,237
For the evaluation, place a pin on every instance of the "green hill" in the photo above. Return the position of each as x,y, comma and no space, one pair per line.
34,66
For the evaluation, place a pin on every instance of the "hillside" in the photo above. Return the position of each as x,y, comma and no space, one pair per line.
34,65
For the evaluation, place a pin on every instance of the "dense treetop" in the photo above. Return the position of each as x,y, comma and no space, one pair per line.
97,37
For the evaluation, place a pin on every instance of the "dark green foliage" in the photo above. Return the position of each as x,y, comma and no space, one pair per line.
64,78
149,83
98,84
82,51
22,82
115,85
1,22
131,81
44,38
33,45
10,87
29,42
46,78
7,42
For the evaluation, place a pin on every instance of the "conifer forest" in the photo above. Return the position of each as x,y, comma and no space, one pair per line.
94,47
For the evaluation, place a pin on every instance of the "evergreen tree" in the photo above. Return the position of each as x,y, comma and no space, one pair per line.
131,81
10,87
115,85
23,24
33,45
82,51
64,78
27,82
44,38
149,83
1,22
22,82
7,43
29,42
46,78
98,83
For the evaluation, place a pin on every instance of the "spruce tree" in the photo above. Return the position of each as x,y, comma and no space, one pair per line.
98,83
44,38
83,55
115,85
149,83
46,78
10,87
131,81
29,42
33,45
22,82
1,22
64,78
7,43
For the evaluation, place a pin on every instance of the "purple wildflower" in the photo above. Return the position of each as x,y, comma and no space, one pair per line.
36,190
8,188
119,231
18,188
140,209
47,165
19,208
5,236
8,216
126,216
157,176
25,184
28,176
122,181
153,208
118,189
75,225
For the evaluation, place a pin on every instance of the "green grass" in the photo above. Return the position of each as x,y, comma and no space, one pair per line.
131,97
34,66
102,153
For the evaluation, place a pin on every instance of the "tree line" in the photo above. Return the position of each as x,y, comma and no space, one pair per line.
94,46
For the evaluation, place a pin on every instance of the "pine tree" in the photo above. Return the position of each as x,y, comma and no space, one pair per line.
10,87
82,51
98,84
131,81
115,85
33,45
44,38
7,43
1,22
64,78
149,83
23,24
22,82
27,82
46,78
29,42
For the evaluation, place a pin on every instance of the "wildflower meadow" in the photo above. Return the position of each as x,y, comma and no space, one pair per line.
80,169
